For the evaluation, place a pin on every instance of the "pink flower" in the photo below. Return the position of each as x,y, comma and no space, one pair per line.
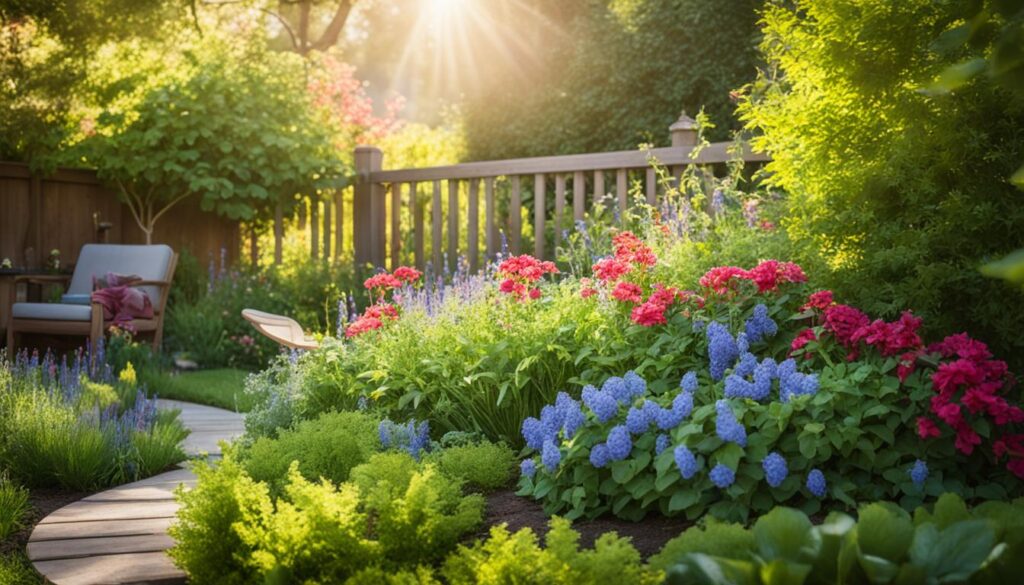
907,365
627,292
926,428
843,321
720,280
802,339
507,286
648,314
966,439
362,325
610,269
382,281
631,250
534,293
820,300
407,274
951,375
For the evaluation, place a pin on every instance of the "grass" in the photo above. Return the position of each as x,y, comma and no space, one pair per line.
13,506
15,569
222,388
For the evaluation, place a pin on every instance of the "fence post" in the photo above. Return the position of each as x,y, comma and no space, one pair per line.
368,208
683,131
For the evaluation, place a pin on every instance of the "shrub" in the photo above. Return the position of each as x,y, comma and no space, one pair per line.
921,198
845,417
485,465
17,570
329,447
13,506
951,545
391,470
207,545
517,558
273,394
712,537
55,433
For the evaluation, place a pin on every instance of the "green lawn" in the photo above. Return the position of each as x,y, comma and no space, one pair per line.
221,387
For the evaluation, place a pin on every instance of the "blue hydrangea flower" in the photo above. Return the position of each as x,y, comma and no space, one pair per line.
737,387
619,443
786,368
616,386
722,350
603,404
726,425
746,365
742,345
809,385
551,421
689,382
533,433
816,483
682,404
760,325
661,443
588,394
573,419
599,455
528,468
685,461
722,476
919,473
637,421
698,326
635,385
775,469
764,373
551,456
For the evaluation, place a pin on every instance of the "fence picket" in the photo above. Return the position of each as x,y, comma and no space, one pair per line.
437,217
473,227
539,211
559,206
515,215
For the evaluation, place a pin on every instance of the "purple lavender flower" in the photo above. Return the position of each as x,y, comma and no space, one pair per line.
722,476
775,469
384,432
619,443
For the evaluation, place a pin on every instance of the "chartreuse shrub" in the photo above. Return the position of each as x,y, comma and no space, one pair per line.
884,545
395,514
78,427
328,446
482,465
854,414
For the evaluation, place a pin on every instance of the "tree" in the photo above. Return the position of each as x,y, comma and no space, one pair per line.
904,191
306,26
234,127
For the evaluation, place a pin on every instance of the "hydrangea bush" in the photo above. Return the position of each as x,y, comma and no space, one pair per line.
787,397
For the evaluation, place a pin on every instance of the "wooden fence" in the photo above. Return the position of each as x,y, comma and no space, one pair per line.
385,200
70,207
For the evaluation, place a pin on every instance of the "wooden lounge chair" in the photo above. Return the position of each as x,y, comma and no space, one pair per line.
154,264
281,329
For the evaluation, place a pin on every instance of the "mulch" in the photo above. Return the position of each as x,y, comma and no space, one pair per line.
648,535
43,502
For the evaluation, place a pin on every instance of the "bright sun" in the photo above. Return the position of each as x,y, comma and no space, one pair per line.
442,12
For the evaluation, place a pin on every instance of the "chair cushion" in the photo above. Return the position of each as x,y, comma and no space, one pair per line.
51,311
96,260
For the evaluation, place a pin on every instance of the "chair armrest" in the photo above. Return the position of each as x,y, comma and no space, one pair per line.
42,278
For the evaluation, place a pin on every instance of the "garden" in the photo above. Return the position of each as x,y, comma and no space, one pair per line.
802,369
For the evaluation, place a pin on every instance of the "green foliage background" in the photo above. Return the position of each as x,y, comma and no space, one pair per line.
903,193
618,76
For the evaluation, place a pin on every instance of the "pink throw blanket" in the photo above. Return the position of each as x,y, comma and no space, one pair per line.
121,302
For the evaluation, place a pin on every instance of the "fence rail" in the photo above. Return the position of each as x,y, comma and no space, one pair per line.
384,199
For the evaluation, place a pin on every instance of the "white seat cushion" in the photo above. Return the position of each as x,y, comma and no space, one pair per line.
51,311
96,260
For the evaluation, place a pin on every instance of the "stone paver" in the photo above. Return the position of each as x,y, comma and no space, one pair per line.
120,535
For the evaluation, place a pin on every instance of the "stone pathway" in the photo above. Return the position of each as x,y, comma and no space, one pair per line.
120,535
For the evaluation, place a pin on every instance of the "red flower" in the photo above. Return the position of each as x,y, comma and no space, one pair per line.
820,300
407,274
951,375
507,286
649,313
947,411
627,292
610,269
381,311
907,365
663,295
802,339
630,249
843,321
720,279
966,439
534,293
927,428
382,281
963,346
362,325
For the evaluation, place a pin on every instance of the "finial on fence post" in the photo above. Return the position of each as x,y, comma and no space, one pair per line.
683,131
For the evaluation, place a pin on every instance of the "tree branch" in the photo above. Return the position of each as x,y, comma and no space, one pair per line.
330,35
284,22
169,205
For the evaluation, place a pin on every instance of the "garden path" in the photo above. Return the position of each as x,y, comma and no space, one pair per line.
120,535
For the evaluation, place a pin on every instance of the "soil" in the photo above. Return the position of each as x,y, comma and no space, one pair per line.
43,501
648,536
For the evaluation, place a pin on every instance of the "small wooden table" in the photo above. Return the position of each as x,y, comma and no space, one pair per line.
9,293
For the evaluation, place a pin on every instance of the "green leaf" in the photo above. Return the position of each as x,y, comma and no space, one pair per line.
785,533
954,554
885,531
682,499
955,76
